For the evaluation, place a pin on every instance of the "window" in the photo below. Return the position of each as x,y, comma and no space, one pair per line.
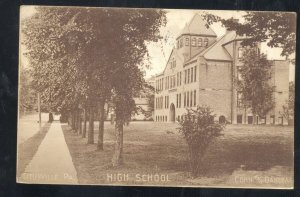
192,74
176,100
205,42
187,99
187,41
162,83
240,52
179,103
191,103
181,43
184,99
168,101
199,42
193,42
195,98
180,78
195,73
188,79
185,76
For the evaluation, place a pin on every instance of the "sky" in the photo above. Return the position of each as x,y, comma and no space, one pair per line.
176,20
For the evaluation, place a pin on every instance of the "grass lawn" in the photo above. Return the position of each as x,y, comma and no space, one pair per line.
245,156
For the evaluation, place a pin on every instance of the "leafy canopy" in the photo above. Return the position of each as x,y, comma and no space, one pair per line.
278,29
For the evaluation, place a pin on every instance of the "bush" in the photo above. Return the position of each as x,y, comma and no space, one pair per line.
199,129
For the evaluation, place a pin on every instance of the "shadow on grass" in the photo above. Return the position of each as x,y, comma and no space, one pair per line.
28,148
166,153
249,156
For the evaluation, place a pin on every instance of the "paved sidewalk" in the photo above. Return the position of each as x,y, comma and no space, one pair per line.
52,163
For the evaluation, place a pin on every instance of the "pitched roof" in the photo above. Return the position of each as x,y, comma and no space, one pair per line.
216,51
197,26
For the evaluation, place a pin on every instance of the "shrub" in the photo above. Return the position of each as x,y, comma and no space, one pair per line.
199,129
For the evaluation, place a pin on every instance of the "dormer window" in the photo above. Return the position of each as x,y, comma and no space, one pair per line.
199,42
205,42
194,42
187,41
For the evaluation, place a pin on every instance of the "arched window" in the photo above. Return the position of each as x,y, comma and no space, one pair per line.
205,42
187,41
199,42
194,42
181,43
240,52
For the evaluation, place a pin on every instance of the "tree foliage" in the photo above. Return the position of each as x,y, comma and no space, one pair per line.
84,56
278,29
199,129
255,86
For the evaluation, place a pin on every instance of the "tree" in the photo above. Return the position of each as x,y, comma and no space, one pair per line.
135,27
289,107
254,85
199,130
149,92
278,29
27,95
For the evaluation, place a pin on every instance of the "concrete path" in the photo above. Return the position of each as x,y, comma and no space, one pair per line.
52,163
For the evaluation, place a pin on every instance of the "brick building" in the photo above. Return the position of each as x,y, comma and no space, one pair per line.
201,70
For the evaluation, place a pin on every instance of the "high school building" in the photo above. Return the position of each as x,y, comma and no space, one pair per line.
201,70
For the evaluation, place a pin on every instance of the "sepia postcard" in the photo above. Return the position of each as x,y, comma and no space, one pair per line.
156,97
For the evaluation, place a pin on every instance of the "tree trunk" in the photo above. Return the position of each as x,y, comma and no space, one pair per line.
78,122
75,121
91,126
80,125
101,124
118,158
84,123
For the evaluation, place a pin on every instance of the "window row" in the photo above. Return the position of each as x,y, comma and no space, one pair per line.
195,42
190,99
161,118
159,85
190,75
162,102
169,82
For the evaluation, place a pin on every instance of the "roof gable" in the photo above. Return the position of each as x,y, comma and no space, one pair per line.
198,26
